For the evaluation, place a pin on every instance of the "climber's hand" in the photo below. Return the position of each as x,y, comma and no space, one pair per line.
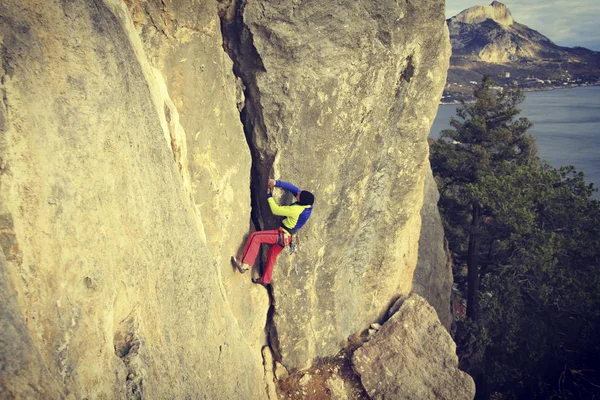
272,183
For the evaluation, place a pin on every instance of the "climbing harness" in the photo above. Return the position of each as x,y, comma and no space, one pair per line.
289,241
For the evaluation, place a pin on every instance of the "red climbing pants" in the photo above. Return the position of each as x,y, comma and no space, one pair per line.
253,246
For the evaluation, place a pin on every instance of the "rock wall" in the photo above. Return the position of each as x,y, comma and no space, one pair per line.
340,97
127,180
110,243
433,276
183,43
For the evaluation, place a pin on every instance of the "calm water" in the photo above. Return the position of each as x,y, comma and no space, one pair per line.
566,127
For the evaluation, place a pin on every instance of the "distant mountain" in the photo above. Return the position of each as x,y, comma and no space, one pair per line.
487,40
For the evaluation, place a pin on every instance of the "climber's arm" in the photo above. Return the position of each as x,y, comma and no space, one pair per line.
288,186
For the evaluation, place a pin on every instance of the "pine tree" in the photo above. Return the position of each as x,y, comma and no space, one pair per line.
540,300
485,134
530,236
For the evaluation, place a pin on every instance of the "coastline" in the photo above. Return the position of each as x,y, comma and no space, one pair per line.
566,126
540,89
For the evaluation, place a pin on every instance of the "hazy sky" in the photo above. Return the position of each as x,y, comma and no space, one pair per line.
566,22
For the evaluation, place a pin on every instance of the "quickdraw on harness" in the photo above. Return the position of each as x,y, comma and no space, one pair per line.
291,241
295,244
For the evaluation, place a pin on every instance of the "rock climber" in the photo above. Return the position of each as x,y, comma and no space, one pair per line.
295,216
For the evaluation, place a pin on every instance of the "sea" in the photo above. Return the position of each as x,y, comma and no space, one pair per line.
566,126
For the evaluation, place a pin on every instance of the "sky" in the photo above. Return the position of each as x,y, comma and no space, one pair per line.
567,23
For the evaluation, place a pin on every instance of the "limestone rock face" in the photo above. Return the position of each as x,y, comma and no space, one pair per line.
347,93
110,190
127,179
433,276
184,46
412,357
23,374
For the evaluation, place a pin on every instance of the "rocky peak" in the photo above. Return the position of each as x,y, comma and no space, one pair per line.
496,11
487,40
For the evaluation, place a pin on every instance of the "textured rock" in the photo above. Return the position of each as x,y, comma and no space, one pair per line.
124,176
496,11
22,371
347,92
336,385
183,43
376,326
280,371
269,373
433,276
114,285
412,357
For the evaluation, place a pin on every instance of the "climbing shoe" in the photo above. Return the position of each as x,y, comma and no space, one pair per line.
239,266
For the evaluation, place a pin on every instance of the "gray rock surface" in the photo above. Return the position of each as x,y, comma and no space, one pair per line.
412,357
347,92
433,276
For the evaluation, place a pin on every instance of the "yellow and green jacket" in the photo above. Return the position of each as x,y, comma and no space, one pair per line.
295,214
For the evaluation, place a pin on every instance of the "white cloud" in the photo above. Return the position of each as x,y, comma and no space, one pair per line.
566,23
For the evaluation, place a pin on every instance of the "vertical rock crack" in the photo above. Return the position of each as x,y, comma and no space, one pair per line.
238,43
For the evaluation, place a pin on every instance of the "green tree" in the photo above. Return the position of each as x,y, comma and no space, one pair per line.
540,299
485,134
530,237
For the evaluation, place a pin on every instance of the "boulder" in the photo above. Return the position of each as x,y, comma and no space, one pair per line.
412,357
